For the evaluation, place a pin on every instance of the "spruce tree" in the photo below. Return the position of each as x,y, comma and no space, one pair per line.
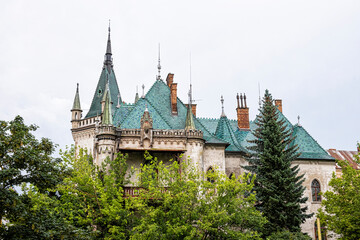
278,186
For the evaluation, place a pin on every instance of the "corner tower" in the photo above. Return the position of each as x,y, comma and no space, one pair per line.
107,76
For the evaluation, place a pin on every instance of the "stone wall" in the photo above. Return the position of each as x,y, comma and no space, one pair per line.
321,171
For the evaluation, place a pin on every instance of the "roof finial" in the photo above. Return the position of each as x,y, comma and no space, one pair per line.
158,77
299,120
143,93
222,107
259,95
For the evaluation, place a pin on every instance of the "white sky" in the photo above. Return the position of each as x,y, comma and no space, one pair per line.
305,52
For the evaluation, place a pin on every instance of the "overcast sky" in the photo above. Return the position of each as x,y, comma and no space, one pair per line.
307,53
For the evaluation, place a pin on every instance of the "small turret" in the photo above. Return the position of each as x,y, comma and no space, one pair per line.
76,112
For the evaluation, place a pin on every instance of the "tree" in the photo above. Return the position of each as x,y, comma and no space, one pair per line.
92,198
278,186
24,160
177,202
340,210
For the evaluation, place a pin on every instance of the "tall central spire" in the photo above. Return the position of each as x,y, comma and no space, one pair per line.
108,54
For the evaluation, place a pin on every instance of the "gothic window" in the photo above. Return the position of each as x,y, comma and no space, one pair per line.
209,174
315,190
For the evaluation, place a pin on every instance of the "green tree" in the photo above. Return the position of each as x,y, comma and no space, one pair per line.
278,186
177,202
24,160
340,210
92,198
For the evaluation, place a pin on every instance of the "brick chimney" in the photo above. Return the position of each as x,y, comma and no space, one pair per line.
242,113
173,98
170,79
193,108
278,104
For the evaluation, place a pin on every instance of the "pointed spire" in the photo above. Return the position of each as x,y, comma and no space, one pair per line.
107,115
76,105
108,54
136,95
189,124
158,77
222,107
298,121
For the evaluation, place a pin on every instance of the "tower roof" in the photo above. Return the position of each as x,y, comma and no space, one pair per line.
76,104
107,76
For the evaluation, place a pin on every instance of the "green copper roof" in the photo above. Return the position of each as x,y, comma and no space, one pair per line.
308,147
225,131
95,108
107,116
189,123
158,102
76,105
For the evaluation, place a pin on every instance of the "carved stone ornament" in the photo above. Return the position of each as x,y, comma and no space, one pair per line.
146,128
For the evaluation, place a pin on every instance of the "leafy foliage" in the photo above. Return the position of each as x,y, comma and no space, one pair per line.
340,210
278,187
24,160
286,235
92,199
177,202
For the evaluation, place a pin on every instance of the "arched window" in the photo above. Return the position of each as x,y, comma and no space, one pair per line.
209,172
315,190
231,175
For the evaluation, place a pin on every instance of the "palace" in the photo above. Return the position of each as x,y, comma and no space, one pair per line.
160,123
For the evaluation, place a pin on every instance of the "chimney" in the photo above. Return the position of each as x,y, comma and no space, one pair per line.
170,79
173,97
242,113
193,108
278,104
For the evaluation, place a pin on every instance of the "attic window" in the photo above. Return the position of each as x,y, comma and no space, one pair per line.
99,92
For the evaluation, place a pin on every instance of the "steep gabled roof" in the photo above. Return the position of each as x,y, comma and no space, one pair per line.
309,148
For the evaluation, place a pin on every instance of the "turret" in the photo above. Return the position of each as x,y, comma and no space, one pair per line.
76,112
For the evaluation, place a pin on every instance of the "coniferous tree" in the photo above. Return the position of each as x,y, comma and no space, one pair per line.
278,186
